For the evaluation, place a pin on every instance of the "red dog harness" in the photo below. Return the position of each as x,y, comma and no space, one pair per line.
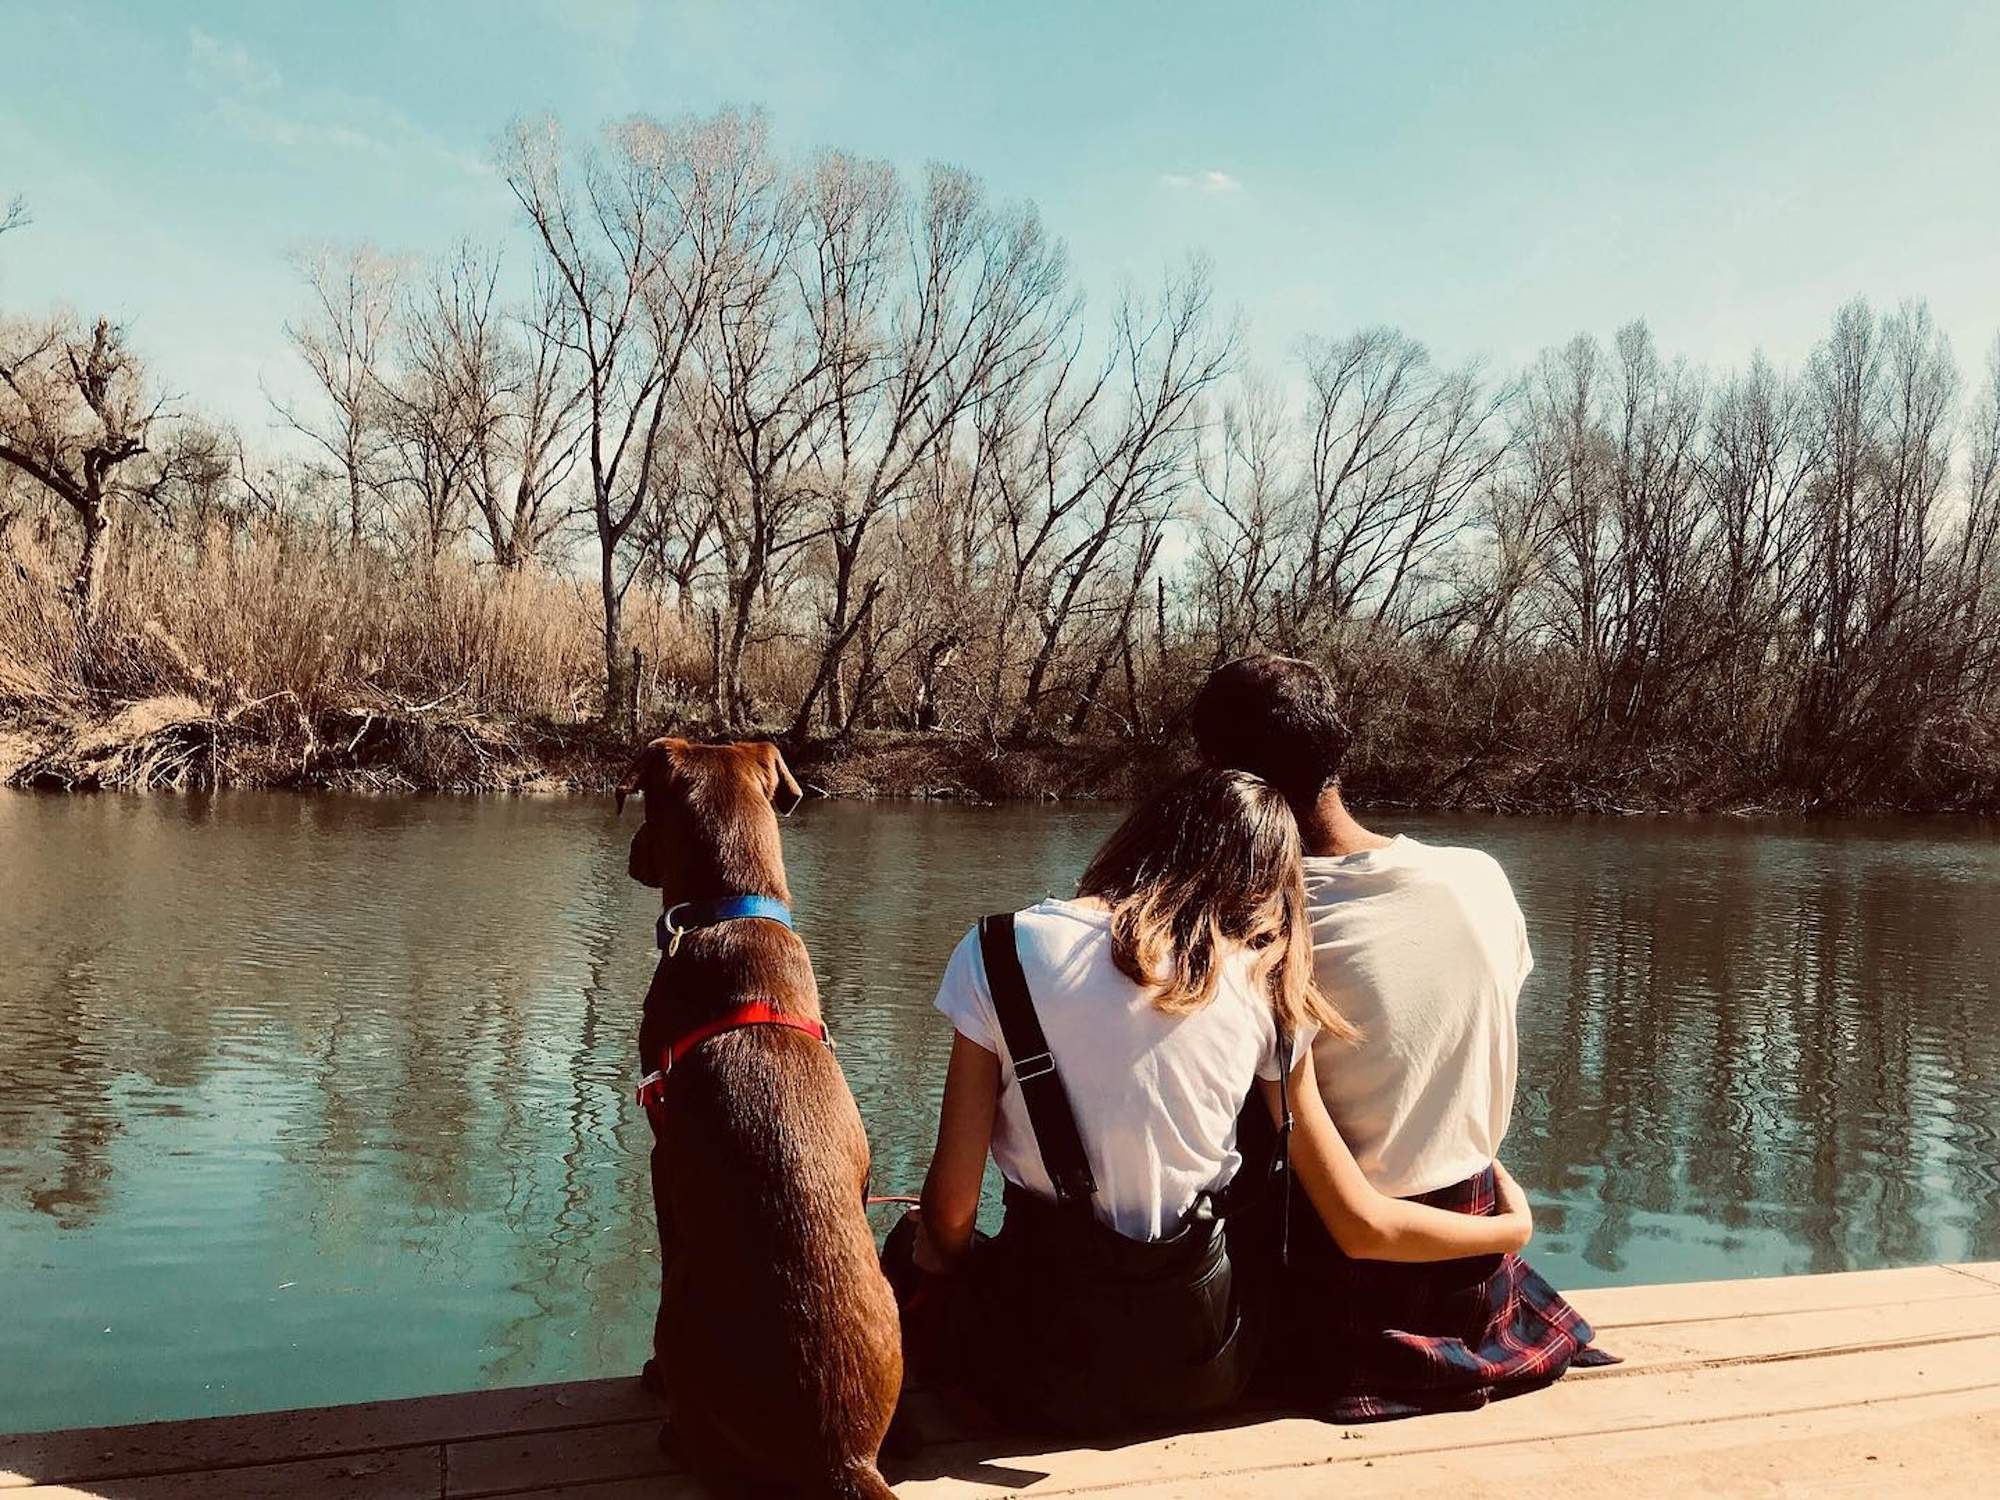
652,1088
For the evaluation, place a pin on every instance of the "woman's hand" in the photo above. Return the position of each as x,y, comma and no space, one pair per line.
1513,1203
1365,1223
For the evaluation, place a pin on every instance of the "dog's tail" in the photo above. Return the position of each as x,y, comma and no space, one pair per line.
861,1480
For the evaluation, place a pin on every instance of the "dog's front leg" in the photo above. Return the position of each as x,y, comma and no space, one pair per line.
663,1220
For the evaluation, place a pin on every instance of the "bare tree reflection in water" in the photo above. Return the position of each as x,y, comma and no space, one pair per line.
71,1058
349,1079
589,1263
1768,1047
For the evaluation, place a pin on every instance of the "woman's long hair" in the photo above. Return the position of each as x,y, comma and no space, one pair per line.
1208,866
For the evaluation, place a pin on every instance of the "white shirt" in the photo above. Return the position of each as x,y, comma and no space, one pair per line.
1155,1096
1423,948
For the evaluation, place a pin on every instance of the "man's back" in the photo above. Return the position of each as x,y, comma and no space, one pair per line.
1424,949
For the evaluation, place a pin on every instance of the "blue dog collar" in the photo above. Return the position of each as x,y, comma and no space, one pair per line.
677,921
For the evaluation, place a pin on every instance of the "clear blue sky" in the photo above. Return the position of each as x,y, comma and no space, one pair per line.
1490,177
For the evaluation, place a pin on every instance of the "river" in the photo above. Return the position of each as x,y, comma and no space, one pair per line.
319,1099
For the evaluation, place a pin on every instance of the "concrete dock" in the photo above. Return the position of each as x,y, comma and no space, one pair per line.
1864,1383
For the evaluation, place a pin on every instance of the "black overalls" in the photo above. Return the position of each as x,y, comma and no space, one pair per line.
1059,1321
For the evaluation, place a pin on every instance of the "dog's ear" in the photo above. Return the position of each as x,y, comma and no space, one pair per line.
783,791
646,770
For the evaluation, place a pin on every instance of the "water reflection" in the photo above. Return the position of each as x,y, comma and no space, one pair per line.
306,1100
1760,1049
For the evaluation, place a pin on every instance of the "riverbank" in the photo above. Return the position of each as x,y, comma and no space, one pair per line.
1863,1380
177,743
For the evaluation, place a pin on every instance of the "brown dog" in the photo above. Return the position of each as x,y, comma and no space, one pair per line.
777,1341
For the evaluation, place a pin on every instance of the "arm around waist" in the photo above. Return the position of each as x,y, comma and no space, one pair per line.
1370,1225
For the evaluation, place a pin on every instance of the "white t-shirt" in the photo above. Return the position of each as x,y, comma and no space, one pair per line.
1155,1096
1423,948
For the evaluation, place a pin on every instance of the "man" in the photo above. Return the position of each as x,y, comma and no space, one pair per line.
1424,949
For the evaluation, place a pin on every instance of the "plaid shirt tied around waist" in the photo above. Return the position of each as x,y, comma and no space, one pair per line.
1382,1339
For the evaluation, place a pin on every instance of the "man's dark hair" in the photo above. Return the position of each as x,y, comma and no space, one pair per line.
1275,717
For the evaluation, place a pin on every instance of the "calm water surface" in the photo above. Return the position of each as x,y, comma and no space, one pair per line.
307,1100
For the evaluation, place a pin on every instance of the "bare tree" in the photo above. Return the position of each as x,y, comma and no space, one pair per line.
532,432
678,536
78,416
1656,518
1975,562
1114,644
1761,457
772,354
1119,475
941,539
344,341
1845,377
638,252
1254,491
197,487
1569,461
437,400
1892,398
1032,469
1393,449
985,294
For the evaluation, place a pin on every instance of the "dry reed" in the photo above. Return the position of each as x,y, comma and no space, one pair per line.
275,653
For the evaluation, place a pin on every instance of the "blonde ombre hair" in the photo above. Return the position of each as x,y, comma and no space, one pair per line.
1207,867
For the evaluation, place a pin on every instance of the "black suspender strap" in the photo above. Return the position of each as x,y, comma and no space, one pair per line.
1281,1177
1035,1071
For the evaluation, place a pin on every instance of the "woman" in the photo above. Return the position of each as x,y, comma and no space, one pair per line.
1103,1050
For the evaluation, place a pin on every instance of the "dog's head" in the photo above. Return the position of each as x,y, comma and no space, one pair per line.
711,818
